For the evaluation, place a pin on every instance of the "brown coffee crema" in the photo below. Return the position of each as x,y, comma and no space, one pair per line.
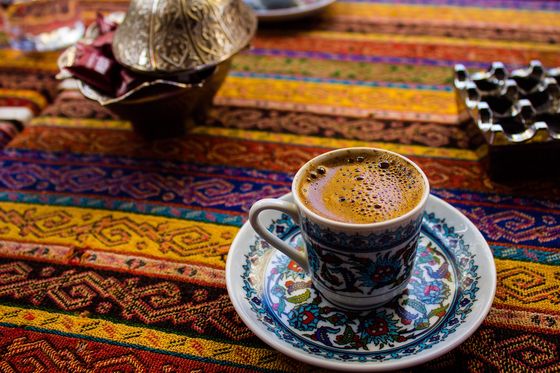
365,187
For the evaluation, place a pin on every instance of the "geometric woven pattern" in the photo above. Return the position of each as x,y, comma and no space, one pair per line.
21,349
113,246
157,237
512,352
533,285
165,303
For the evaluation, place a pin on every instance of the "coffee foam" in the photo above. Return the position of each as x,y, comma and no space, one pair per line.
362,188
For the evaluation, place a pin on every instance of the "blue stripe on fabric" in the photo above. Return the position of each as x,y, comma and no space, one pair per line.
526,255
136,207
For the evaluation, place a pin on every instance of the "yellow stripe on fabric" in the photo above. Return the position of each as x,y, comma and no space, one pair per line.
155,236
81,123
410,150
423,39
45,61
30,95
328,94
527,285
144,337
445,14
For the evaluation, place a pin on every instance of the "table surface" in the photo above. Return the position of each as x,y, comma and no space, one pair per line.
113,247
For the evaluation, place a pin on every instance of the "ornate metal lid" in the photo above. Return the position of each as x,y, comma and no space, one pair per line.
160,37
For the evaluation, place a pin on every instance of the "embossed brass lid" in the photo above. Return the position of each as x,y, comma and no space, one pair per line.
163,37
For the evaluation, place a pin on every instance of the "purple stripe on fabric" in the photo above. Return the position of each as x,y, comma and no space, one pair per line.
189,190
369,59
501,4
143,164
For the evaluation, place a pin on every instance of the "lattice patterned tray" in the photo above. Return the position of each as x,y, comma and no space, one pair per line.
517,111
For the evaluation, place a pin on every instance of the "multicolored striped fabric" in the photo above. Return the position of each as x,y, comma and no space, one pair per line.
113,247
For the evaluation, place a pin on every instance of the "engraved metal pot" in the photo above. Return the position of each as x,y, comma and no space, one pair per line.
158,108
162,37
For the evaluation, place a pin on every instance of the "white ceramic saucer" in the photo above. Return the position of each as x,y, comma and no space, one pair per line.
299,9
448,297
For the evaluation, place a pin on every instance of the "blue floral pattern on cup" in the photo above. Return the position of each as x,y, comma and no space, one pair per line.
359,243
361,274
376,265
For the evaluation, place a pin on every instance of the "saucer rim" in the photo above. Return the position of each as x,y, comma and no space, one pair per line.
294,12
482,253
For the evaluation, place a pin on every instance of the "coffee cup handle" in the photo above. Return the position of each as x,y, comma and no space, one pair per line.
283,206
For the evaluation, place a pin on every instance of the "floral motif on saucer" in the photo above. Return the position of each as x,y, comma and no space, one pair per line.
441,293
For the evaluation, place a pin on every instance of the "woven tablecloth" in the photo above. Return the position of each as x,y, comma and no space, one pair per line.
113,248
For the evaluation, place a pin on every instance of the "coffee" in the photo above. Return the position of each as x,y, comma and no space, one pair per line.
364,187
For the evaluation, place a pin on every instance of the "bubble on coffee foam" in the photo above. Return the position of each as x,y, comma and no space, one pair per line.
383,196
315,173
390,178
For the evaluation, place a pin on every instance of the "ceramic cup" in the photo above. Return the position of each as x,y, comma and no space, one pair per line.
354,266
